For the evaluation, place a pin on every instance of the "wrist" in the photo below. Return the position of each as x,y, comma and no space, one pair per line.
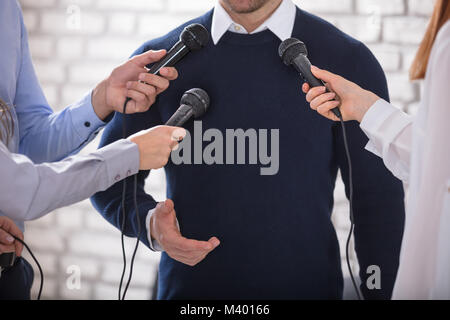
99,101
135,140
369,100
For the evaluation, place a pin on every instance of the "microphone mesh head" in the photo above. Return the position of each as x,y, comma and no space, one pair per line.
195,36
198,99
290,48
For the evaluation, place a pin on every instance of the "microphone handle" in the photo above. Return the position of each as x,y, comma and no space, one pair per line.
181,116
303,66
7,259
178,51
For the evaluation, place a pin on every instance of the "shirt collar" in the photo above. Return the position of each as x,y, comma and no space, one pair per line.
281,22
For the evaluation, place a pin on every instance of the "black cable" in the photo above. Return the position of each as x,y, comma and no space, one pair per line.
122,297
37,263
352,223
122,226
138,237
122,236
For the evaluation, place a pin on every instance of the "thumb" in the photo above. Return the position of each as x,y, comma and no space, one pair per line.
178,134
167,206
324,75
214,242
175,133
149,57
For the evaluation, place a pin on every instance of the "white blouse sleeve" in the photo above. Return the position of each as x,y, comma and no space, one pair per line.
390,129
390,132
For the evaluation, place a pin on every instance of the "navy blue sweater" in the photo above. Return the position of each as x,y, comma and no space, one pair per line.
277,239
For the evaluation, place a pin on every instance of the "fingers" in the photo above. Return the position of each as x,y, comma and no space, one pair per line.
324,75
322,99
166,206
7,248
8,229
147,88
148,57
325,109
175,135
139,101
169,73
305,87
315,92
214,242
6,242
161,84
189,251
148,91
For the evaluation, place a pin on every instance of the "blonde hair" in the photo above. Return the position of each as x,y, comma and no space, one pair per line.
6,122
439,17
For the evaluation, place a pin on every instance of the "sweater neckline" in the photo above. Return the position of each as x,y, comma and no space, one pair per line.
248,39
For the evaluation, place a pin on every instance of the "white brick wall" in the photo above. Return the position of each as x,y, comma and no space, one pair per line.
70,58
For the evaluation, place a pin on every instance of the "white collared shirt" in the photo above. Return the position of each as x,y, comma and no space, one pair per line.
281,22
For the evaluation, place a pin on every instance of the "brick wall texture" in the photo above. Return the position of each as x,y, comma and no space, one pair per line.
75,43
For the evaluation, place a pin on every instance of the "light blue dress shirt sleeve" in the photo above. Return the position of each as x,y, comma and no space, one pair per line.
45,135
32,190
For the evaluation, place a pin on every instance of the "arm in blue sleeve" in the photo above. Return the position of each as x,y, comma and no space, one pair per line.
378,199
46,136
109,202
29,191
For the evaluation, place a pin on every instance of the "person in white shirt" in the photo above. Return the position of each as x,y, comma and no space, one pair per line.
416,150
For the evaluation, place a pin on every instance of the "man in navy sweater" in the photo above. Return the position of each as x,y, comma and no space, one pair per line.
276,237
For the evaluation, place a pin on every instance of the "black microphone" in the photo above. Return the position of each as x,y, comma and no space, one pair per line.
193,38
194,103
293,52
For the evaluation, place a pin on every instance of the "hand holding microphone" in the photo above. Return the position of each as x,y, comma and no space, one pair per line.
193,38
293,53
8,229
156,144
353,101
330,95
132,80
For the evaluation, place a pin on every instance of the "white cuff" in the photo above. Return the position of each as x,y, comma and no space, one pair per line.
153,243
372,122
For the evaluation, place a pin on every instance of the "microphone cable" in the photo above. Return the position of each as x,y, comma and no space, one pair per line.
352,222
37,263
123,222
133,257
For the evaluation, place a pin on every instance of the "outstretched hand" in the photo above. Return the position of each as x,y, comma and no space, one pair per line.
164,229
